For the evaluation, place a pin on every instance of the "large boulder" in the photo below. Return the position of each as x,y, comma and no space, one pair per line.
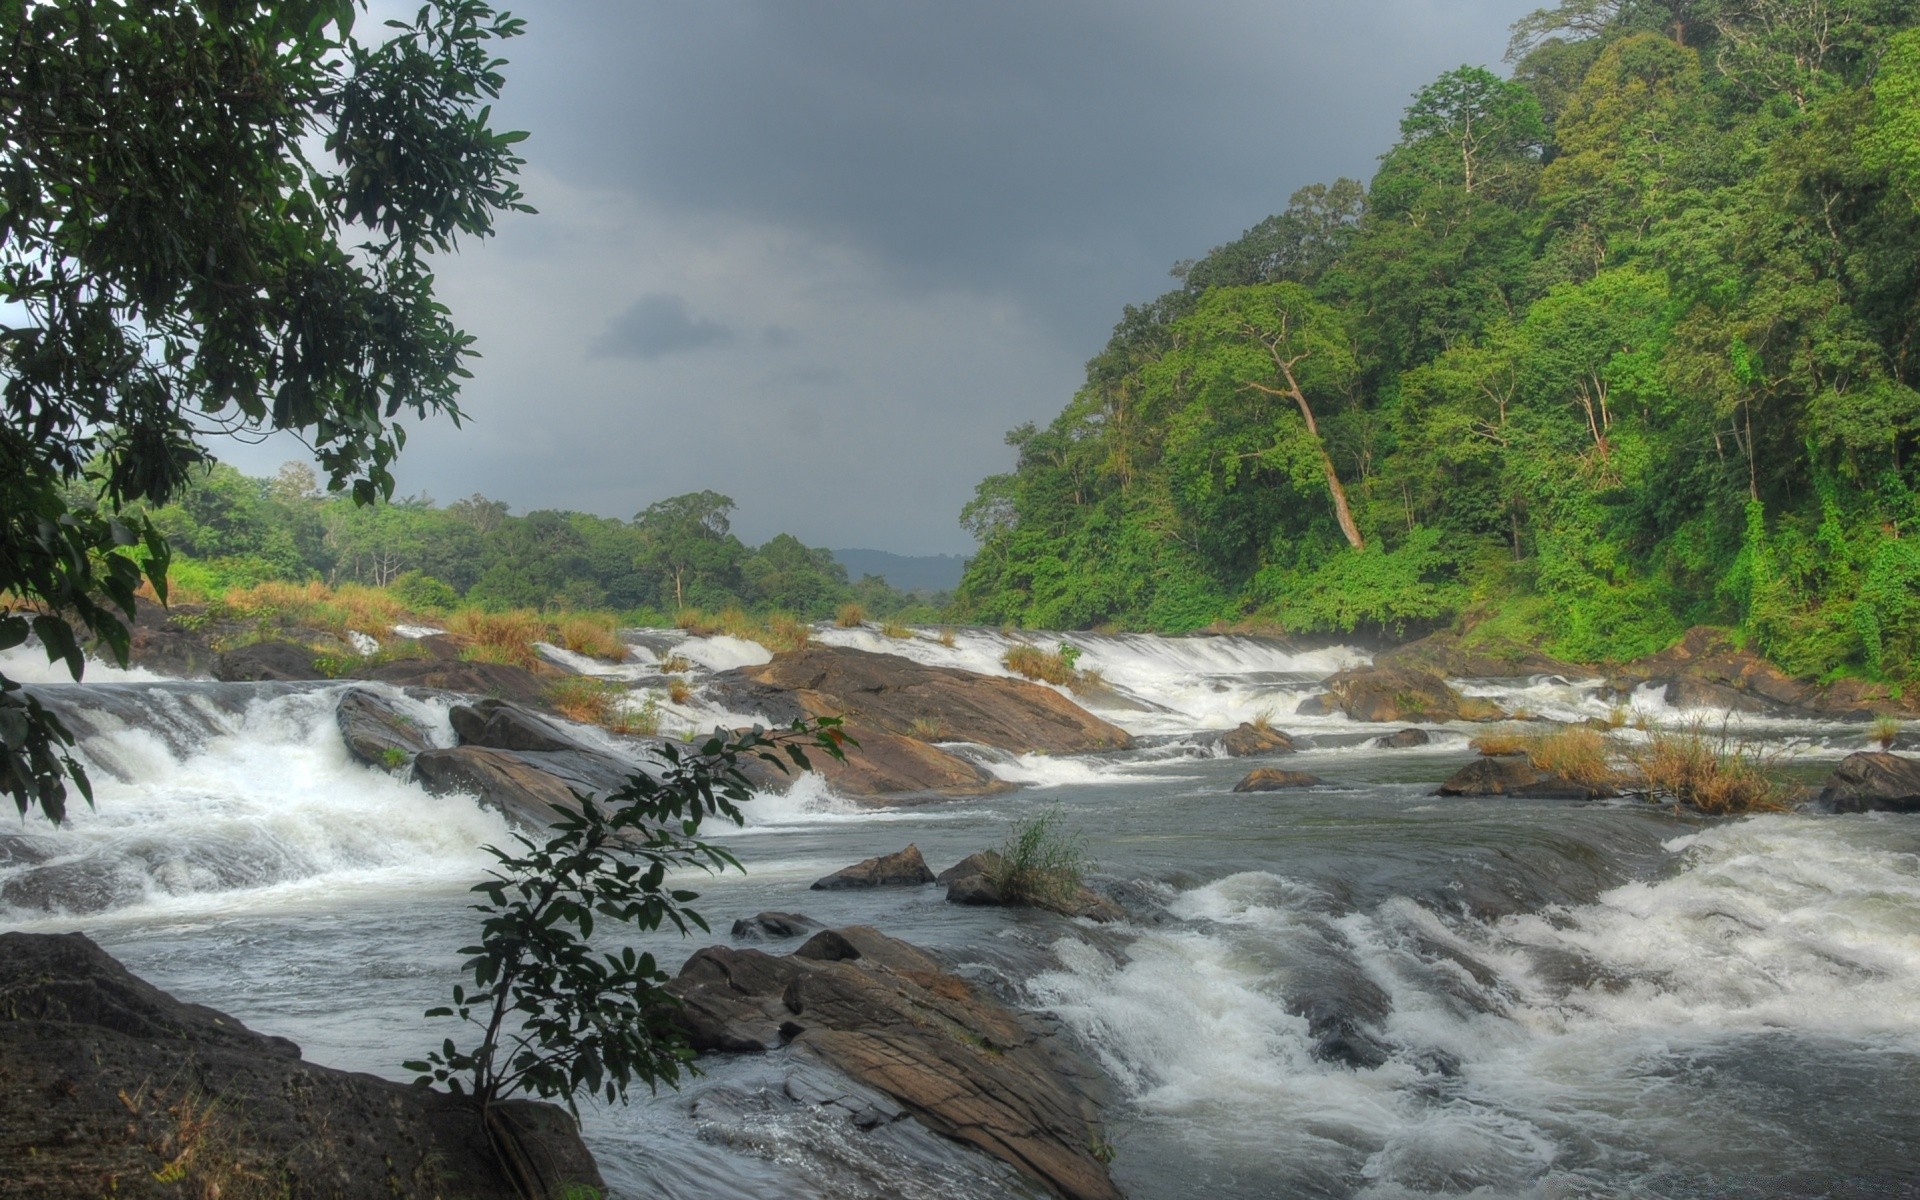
268,661
894,695
377,732
902,868
894,1019
503,725
498,680
1873,781
892,768
1514,775
1403,739
1401,694
499,779
976,881
1273,779
1247,740
109,1086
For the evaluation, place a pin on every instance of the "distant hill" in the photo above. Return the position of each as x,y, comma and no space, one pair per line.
908,572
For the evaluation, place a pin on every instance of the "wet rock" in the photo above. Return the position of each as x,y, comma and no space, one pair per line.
892,1018
1513,775
1689,691
497,680
898,769
903,868
1398,694
376,732
1273,779
977,889
1403,739
103,1073
1873,781
981,862
268,660
502,725
501,780
1318,705
895,695
774,926
1248,739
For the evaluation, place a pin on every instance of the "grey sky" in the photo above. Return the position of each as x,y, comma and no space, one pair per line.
821,256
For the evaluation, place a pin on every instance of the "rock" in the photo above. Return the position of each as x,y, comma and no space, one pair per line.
1445,653
376,732
893,1019
1273,779
498,680
111,1086
903,768
774,926
1873,781
898,696
1399,694
1248,739
1513,775
499,779
1403,739
977,889
267,660
903,868
983,862
1689,691
1315,706
502,725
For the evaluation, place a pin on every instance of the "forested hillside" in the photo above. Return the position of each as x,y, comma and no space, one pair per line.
1616,344
228,530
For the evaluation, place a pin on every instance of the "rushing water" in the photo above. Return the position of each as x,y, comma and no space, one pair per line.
1356,990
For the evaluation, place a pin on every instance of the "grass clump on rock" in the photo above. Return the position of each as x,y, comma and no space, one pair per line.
1040,863
596,635
1714,772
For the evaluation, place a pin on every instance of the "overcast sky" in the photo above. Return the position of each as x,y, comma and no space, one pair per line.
820,256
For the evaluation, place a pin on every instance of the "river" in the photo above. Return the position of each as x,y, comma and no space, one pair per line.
1356,990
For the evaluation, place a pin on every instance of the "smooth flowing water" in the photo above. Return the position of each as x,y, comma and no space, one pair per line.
1357,990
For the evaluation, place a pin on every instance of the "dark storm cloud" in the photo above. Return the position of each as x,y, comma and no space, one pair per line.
657,325
907,225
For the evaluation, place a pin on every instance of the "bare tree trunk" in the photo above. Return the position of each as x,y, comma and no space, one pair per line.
1341,511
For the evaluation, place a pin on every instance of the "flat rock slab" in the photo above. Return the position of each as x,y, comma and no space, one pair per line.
893,1019
498,680
902,868
1873,781
1399,694
108,1086
1273,779
1513,775
896,695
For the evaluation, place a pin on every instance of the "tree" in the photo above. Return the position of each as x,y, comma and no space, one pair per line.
214,215
1473,128
687,538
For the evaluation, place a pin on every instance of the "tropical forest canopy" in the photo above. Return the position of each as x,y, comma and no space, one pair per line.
1616,344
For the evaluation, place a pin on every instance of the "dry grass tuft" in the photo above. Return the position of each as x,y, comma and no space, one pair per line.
927,729
785,633
1035,663
594,634
695,622
896,631
1884,730
850,616
1262,720
1494,745
585,698
1573,752
1715,772
679,691
674,664
504,637
946,638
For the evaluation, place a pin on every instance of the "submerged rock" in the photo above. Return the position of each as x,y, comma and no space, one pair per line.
378,733
1873,781
111,1086
1401,694
902,868
774,926
1403,739
1513,775
892,1018
1273,779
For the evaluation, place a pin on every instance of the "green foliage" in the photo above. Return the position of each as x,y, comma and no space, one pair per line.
554,1018
214,217
1040,862
1616,346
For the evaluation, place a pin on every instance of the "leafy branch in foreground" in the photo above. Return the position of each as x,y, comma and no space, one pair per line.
556,1018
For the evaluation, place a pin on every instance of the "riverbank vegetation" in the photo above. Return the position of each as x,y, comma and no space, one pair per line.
1616,344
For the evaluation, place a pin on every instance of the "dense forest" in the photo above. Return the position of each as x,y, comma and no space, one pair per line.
1617,344
228,530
